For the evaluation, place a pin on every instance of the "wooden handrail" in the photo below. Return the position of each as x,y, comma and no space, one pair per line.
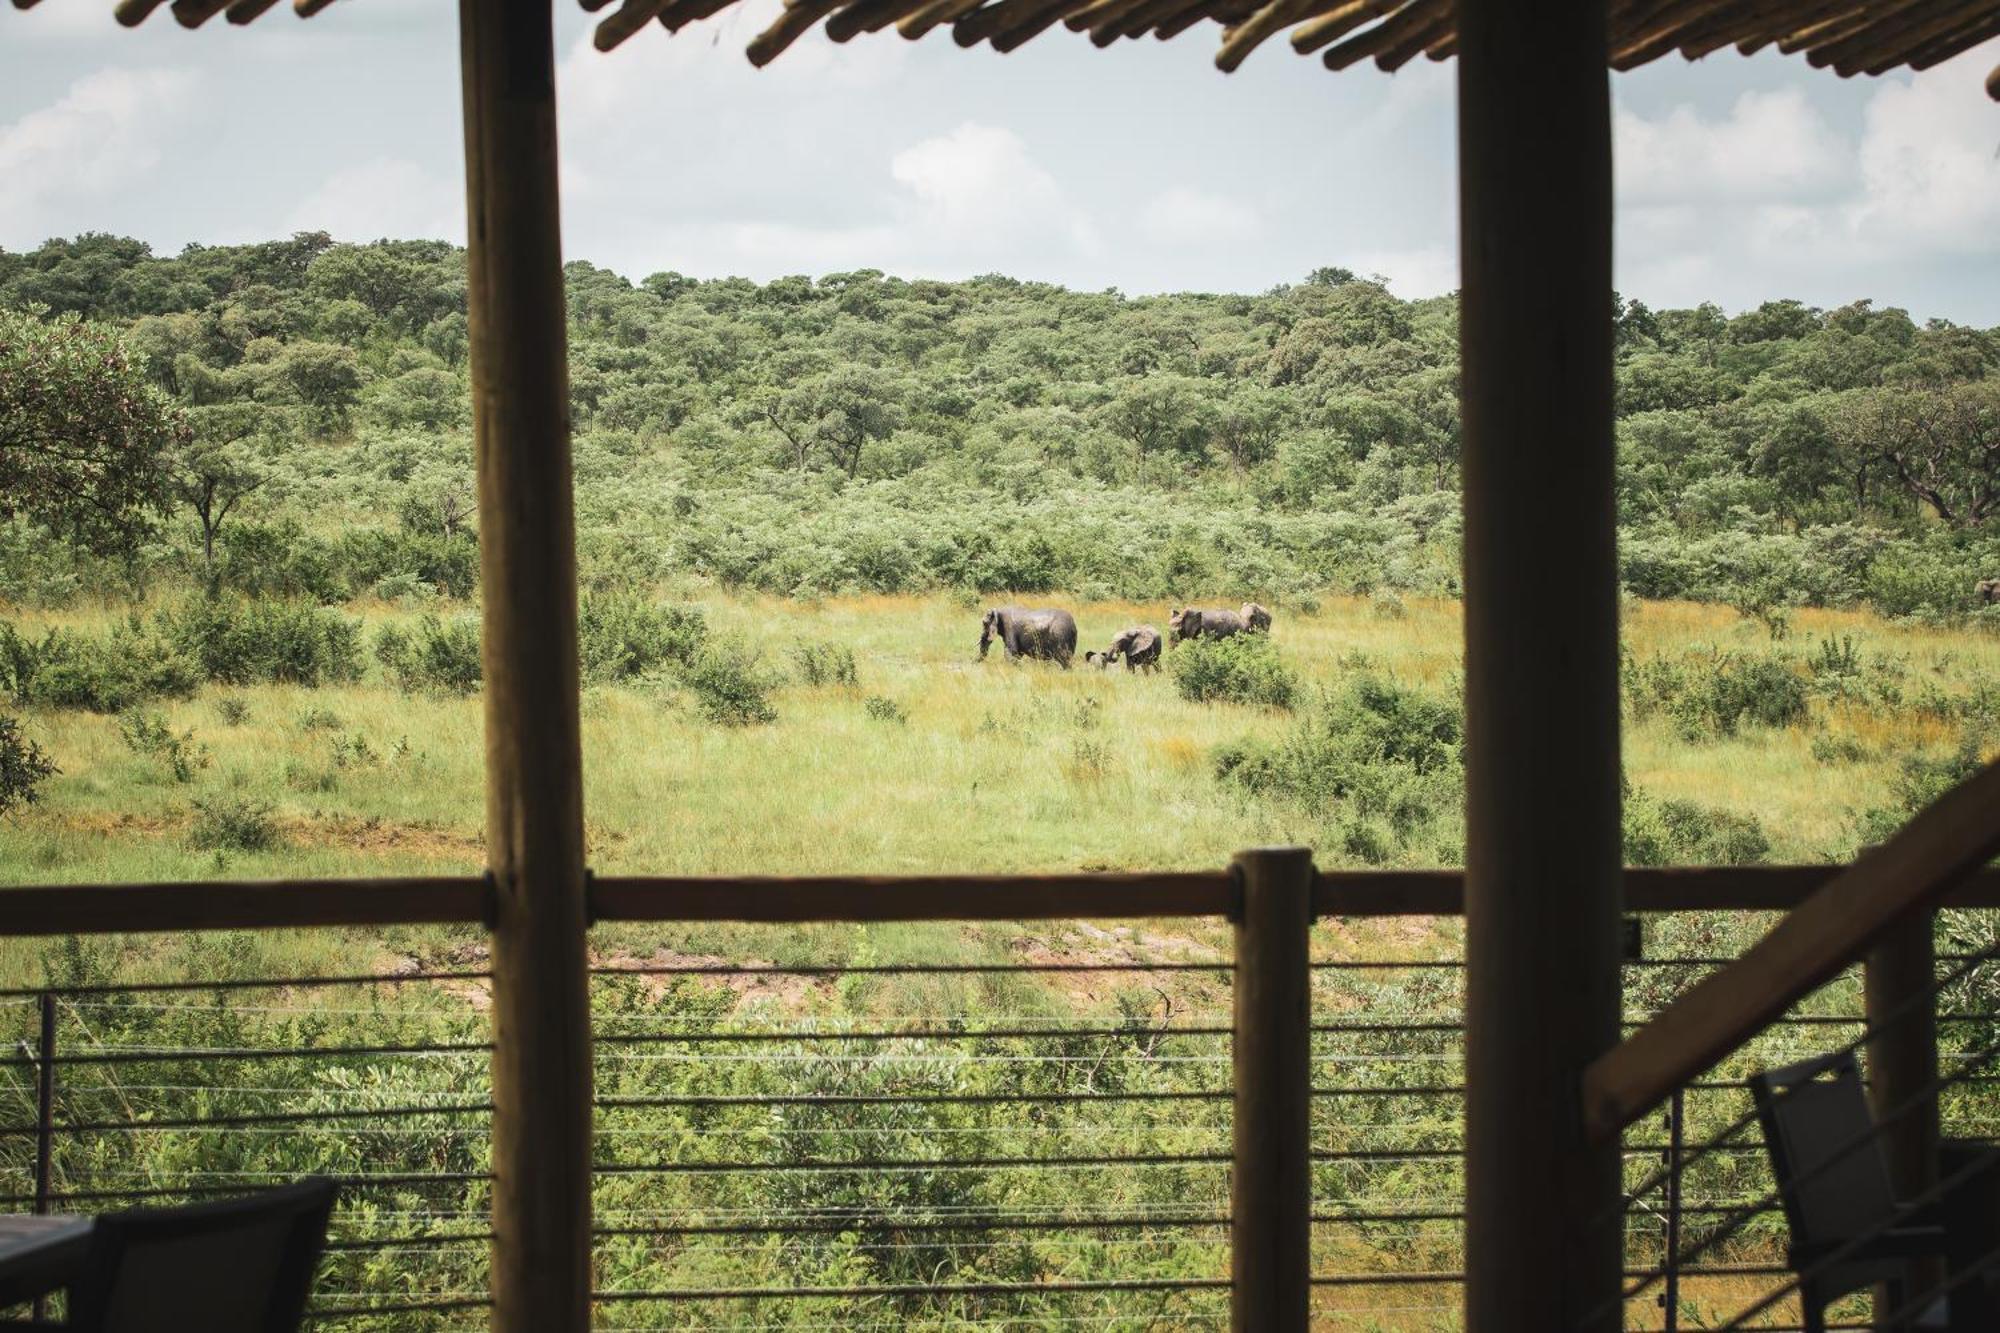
96,909
913,897
1941,846
104,909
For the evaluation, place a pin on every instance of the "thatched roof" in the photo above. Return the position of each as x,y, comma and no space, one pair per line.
1849,36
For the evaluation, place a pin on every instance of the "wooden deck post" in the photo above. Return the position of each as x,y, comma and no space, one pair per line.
1902,1060
534,798
1270,1183
1543,841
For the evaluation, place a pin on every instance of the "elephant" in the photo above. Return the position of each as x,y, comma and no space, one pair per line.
1046,634
1987,590
1140,646
1198,623
1256,618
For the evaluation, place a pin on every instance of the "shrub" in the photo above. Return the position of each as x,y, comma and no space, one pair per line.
233,824
884,709
1245,669
437,656
148,734
65,669
1379,762
1922,780
730,687
1716,693
1838,750
825,664
621,636
234,712
288,643
319,719
23,767
1676,832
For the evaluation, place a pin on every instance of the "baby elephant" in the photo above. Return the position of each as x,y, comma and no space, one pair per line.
1140,646
1987,590
1048,634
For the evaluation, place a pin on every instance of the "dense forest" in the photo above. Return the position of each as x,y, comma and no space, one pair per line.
861,432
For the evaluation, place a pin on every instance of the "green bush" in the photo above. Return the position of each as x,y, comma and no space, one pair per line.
730,686
66,669
1379,763
1716,693
437,656
148,734
23,767
234,712
276,643
1245,669
1923,778
825,664
884,709
1676,832
233,824
620,636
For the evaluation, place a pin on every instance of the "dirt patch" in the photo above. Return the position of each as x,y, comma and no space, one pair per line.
788,990
375,835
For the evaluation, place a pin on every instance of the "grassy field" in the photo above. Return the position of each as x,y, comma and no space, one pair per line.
991,766
930,760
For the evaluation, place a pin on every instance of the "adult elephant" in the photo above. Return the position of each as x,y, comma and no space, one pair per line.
1987,590
1196,622
1048,634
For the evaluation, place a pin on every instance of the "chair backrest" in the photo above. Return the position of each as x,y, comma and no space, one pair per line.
1828,1161
237,1266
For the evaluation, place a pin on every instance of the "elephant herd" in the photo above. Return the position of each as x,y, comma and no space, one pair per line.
1049,634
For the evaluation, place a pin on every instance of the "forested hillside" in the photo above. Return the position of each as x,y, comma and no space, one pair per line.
860,432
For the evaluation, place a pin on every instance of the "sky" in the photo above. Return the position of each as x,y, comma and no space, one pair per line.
1141,168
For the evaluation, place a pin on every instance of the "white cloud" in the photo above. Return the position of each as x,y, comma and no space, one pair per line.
386,196
1928,168
99,138
977,190
1427,271
1773,145
1184,215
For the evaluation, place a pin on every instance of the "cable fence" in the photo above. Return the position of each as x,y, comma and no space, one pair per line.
847,1144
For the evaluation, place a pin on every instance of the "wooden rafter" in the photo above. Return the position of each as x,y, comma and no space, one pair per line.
1848,36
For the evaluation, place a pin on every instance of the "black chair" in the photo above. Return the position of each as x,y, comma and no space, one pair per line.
237,1266
1834,1183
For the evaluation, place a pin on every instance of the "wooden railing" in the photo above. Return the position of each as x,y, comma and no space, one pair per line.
1833,928
1845,910
192,905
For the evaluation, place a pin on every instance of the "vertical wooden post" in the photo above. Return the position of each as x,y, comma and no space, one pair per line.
534,798
1902,1061
45,1118
1543,842
1270,1188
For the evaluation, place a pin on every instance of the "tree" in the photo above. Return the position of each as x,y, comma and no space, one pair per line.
216,469
839,411
1941,442
1161,414
84,434
1248,424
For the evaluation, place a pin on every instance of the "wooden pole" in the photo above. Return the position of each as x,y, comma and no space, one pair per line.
534,797
1897,977
1270,1188
1543,843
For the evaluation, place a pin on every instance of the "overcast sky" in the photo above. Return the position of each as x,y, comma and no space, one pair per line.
1141,167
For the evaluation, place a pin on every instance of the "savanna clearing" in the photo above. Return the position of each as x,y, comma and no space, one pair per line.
930,760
